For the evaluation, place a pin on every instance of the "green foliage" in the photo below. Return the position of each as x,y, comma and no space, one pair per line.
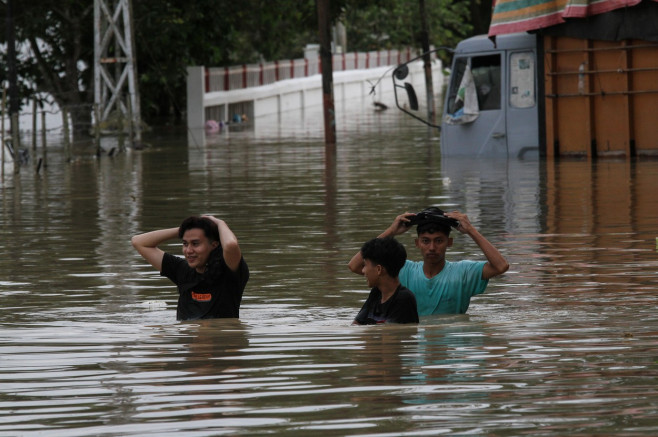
54,49
172,34
389,24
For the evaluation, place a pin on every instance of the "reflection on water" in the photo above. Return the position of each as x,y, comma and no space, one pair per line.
563,344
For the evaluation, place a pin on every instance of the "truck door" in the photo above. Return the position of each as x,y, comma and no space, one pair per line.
522,117
486,134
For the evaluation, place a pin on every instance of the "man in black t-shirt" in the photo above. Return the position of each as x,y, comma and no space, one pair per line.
213,275
388,301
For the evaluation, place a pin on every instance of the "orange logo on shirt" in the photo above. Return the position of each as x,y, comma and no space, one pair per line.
201,297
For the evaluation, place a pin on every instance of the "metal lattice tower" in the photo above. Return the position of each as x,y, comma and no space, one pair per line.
115,69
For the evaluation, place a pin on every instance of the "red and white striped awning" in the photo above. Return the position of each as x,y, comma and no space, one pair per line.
511,16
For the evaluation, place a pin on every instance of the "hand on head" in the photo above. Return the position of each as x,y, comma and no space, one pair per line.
464,224
401,224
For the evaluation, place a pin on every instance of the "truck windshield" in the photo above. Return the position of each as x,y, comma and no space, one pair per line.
486,76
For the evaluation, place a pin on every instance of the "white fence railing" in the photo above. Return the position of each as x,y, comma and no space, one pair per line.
253,75
259,90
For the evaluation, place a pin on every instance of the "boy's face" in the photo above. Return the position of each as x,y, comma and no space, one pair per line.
197,248
433,246
372,272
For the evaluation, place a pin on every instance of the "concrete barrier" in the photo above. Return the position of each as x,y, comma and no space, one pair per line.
295,94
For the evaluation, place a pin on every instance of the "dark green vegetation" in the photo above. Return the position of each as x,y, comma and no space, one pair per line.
55,41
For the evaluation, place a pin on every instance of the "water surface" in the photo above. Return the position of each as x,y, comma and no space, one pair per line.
564,344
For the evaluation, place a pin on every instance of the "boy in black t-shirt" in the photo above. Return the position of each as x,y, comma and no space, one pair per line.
213,275
388,301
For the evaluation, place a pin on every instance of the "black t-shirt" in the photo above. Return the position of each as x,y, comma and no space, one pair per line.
399,308
217,293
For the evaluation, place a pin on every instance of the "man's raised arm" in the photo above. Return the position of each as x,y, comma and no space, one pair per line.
496,262
398,227
147,245
228,240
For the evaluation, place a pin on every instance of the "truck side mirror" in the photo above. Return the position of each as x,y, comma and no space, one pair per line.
401,72
411,95
410,103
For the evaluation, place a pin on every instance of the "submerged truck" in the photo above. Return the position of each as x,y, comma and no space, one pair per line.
542,95
490,105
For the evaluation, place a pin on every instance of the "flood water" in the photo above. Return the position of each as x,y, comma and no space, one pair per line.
565,343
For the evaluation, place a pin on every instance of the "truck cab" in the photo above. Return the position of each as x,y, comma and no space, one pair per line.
491,104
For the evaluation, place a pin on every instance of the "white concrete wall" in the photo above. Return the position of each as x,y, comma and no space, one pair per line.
295,94
195,97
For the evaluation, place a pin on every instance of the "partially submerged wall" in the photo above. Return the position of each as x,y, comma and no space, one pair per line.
295,94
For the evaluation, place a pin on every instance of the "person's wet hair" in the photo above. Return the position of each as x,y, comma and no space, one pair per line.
387,252
195,222
431,220
432,227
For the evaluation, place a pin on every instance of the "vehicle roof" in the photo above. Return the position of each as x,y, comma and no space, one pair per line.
481,43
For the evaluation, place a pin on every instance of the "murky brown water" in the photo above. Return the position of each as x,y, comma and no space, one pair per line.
564,344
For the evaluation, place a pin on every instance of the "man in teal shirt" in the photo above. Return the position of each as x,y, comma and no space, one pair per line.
441,286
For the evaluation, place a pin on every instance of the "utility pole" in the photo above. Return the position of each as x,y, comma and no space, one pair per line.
14,100
324,24
114,45
427,63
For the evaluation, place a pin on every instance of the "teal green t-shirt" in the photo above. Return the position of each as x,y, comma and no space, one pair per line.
450,291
